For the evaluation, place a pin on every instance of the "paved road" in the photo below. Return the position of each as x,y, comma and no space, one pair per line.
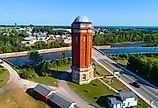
147,91
15,79
65,90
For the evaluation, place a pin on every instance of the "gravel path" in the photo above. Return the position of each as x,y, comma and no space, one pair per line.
65,90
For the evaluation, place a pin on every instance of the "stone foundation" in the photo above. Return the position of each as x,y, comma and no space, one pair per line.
82,75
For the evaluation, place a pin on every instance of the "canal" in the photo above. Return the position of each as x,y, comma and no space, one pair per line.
19,61
115,50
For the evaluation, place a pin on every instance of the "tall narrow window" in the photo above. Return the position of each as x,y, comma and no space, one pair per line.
76,38
90,75
85,49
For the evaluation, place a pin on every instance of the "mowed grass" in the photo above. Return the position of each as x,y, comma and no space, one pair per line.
61,68
122,62
95,93
52,79
119,86
4,77
100,71
46,80
142,104
18,98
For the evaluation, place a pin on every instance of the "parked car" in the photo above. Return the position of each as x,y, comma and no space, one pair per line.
136,84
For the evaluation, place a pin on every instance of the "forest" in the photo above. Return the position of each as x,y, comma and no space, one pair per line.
111,36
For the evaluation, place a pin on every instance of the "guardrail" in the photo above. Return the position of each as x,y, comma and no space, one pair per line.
7,62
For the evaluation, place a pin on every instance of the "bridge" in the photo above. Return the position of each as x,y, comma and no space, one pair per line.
132,50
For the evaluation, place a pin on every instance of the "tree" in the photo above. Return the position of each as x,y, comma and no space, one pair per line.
28,73
42,69
57,62
64,57
34,59
40,44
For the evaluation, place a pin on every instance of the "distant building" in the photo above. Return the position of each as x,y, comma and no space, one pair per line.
52,97
29,41
123,100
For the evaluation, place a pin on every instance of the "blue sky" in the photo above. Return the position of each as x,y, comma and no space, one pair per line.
63,12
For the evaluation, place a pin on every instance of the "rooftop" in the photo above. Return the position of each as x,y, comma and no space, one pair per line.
81,19
125,95
115,100
60,100
42,89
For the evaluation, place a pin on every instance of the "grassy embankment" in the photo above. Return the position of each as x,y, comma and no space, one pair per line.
4,77
128,42
96,93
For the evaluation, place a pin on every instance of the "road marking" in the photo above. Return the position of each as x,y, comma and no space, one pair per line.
142,87
123,75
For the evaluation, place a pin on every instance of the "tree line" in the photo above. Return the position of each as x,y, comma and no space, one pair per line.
49,30
144,66
108,36
10,44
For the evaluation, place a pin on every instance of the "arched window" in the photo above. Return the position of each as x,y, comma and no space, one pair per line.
84,77
90,75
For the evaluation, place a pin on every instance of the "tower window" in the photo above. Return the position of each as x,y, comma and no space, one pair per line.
84,77
84,38
76,38
90,75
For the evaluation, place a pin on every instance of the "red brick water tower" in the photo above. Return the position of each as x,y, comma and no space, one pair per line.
82,68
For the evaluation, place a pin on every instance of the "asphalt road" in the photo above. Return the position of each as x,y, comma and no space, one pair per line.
147,91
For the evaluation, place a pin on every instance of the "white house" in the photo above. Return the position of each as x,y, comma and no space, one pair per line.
123,100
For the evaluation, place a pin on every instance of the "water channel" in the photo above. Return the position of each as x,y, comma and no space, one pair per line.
116,49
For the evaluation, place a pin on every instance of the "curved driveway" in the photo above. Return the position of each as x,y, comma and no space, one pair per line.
15,79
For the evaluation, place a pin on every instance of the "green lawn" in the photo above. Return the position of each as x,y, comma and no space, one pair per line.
61,68
122,62
119,86
46,80
95,92
128,42
52,79
100,71
4,77
18,98
142,104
